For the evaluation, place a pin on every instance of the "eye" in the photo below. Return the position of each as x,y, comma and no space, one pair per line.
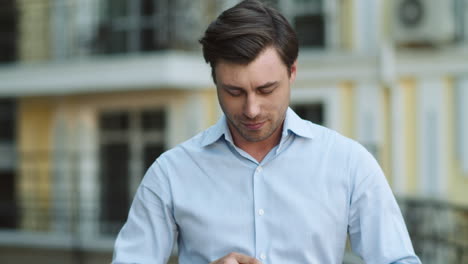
234,92
267,90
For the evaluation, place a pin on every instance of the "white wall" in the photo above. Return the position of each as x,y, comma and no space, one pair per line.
432,137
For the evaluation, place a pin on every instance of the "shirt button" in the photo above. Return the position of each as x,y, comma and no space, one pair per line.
263,256
259,169
261,212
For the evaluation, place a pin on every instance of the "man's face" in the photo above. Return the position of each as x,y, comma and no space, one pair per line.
255,97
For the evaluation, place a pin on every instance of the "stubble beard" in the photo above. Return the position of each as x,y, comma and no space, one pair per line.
264,133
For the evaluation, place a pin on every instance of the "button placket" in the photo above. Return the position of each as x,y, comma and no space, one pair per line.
261,234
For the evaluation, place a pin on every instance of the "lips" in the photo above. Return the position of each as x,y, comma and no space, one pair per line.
254,126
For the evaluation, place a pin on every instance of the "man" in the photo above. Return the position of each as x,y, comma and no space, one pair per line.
262,184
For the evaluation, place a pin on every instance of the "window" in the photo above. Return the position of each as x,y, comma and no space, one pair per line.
310,30
461,20
8,207
313,112
307,17
147,25
272,3
130,141
8,31
7,120
131,26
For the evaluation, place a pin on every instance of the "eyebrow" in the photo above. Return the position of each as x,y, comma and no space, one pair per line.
266,85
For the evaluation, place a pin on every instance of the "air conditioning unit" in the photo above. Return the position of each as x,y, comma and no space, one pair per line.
423,22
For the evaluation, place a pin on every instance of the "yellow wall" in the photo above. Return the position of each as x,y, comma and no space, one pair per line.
211,107
411,143
347,122
347,24
385,149
408,86
34,144
142,98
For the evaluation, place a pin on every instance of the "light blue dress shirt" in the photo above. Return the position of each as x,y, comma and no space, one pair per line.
295,207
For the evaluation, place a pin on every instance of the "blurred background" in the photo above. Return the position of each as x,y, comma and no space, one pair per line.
92,91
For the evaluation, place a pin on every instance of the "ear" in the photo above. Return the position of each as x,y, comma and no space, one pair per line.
292,76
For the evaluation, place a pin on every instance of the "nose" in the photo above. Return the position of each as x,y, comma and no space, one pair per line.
252,107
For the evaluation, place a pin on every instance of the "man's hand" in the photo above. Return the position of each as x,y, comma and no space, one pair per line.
236,258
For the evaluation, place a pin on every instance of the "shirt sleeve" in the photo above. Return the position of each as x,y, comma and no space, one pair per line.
376,227
149,233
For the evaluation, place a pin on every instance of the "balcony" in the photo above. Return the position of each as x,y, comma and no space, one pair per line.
438,229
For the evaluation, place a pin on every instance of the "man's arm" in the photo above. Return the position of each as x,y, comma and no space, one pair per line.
376,227
150,230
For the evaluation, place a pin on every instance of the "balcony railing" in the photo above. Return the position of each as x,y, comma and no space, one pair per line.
70,29
439,230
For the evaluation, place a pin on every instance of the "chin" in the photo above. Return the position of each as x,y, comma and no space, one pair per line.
255,138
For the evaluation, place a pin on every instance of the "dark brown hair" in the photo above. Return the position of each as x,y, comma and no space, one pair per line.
242,32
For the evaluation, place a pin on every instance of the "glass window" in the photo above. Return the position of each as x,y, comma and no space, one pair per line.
130,141
7,119
147,40
461,20
118,42
153,120
8,206
114,186
133,26
307,18
8,209
8,31
147,7
310,111
114,121
151,152
272,3
310,29
119,8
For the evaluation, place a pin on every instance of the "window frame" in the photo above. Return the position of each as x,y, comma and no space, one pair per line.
133,25
327,95
9,39
137,139
292,9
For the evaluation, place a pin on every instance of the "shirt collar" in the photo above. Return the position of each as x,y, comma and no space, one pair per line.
293,123
216,132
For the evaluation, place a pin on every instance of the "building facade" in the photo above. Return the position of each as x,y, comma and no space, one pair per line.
92,91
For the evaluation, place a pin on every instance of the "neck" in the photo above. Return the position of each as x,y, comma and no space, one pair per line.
258,150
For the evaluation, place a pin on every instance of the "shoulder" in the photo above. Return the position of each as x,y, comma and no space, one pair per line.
344,150
360,165
192,145
329,138
351,159
190,149
171,160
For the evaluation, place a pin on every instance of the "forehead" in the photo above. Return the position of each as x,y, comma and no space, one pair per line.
267,66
